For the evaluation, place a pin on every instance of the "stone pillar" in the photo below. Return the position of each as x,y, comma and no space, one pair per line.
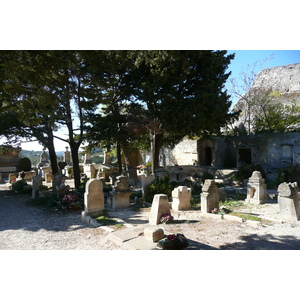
288,200
94,198
181,198
160,206
37,181
256,189
67,156
209,196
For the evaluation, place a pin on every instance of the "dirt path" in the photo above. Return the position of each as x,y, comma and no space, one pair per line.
24,227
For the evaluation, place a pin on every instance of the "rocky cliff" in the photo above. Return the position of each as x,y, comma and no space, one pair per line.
283,79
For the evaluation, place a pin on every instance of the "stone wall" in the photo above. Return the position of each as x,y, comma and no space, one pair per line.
277,150
9,162
184,153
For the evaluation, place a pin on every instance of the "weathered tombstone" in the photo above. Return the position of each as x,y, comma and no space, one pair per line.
12,177
288,200
37,181
90,171
48,177
209,196
87,158
181,198
94,198
160,206
58,184
146,180
121,193
256,189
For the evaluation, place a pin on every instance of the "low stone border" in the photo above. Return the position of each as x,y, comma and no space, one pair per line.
233,218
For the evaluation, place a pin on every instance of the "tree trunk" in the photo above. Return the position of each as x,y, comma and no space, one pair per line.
119,156
156,143
52,153
75,158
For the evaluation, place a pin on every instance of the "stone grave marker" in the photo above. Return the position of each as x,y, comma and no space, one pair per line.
12,177
94,198
209,196
121,193
181,198
288,200
48,177
160,206
37,181
256,189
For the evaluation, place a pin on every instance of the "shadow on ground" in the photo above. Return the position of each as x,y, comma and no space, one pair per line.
15,213
264,242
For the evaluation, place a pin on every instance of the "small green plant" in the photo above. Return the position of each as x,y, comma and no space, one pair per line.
104,220
119,225
246,216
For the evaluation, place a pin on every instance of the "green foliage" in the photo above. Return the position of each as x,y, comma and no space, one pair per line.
18,186
24,164
104,220
207,176
245,172
160,186
290,174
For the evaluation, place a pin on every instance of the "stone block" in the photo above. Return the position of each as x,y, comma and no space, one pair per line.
160,206
154,234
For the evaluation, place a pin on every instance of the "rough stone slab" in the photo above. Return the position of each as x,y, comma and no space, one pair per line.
232,218
253,223
140,243
213,216
127,234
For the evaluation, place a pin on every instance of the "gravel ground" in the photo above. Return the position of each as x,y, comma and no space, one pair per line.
26,227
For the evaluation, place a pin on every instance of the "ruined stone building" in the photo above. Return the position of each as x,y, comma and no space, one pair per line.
271,150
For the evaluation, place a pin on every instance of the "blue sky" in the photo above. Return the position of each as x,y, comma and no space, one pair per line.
250,57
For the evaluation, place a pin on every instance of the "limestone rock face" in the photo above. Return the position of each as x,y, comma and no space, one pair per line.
282,79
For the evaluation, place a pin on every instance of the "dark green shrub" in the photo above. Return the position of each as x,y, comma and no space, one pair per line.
24,164
245,172
207,176
160,186
290,174
18,186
